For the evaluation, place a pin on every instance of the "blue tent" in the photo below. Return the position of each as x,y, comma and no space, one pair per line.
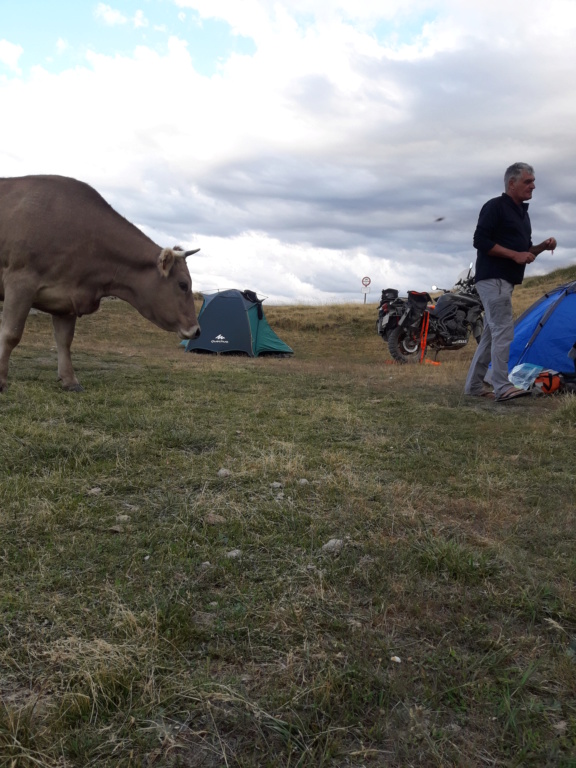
233,322
546,332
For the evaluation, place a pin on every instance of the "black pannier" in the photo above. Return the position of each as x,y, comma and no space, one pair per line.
419,299
389,294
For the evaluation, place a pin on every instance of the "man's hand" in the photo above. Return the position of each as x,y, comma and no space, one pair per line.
546,245
523,257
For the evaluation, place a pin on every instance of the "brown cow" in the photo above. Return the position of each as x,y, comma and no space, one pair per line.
63,248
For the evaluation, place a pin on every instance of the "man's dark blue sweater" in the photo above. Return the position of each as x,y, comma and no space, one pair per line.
502,222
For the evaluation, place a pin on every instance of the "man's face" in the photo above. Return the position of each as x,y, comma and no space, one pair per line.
520,189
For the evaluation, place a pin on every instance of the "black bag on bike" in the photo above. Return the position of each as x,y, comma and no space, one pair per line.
419,300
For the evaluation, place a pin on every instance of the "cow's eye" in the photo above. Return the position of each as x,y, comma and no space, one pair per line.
183,286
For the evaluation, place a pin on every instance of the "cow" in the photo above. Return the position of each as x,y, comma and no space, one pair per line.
63,248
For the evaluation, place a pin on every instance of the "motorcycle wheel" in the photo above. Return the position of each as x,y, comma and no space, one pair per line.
404,345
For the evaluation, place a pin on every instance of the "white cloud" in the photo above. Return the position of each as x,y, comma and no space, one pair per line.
140,21
330,152
109,15
113,18
10,55
283,271
250,17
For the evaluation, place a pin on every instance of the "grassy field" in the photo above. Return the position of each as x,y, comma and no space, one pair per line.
322,561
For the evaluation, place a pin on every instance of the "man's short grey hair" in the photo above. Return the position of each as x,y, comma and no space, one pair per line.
515,171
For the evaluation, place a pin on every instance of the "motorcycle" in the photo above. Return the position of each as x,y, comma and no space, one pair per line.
417,323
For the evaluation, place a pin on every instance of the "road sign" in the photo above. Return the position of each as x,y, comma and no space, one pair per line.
366,281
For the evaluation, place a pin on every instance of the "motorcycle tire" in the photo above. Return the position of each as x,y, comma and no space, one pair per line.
404,345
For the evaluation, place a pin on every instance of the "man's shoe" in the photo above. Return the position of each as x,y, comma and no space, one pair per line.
511,394
486,393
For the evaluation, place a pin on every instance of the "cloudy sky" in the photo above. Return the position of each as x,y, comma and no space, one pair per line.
301,144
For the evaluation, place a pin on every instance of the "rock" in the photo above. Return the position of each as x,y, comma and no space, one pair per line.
214,519
224,472
234,554
275,485
333,546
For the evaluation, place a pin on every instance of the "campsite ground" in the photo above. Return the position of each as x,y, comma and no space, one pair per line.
156,611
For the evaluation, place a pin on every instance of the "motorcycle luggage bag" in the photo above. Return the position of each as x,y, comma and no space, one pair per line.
389,294
446,307
419,299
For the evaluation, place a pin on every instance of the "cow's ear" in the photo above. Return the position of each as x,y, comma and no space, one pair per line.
166,261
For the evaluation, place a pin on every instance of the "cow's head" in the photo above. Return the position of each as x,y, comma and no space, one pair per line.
167,298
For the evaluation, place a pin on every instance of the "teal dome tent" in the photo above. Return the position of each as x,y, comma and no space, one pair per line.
233,321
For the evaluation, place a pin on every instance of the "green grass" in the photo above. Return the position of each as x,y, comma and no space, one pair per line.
130,637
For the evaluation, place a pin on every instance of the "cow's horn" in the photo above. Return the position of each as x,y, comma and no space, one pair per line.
189,253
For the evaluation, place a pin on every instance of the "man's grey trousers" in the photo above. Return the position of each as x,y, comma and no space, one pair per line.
495,343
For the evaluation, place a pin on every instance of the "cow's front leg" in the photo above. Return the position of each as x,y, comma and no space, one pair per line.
11,329
64,326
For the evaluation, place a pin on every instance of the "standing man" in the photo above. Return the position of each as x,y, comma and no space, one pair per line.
503,239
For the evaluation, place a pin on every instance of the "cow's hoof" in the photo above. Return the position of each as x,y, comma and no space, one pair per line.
73,388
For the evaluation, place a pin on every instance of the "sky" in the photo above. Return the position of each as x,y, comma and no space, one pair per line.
302,145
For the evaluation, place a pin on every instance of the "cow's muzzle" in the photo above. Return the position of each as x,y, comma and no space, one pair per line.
193,333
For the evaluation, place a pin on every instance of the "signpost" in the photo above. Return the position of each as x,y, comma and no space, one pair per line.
365,287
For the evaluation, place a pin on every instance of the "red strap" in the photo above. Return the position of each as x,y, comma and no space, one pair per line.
424,334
